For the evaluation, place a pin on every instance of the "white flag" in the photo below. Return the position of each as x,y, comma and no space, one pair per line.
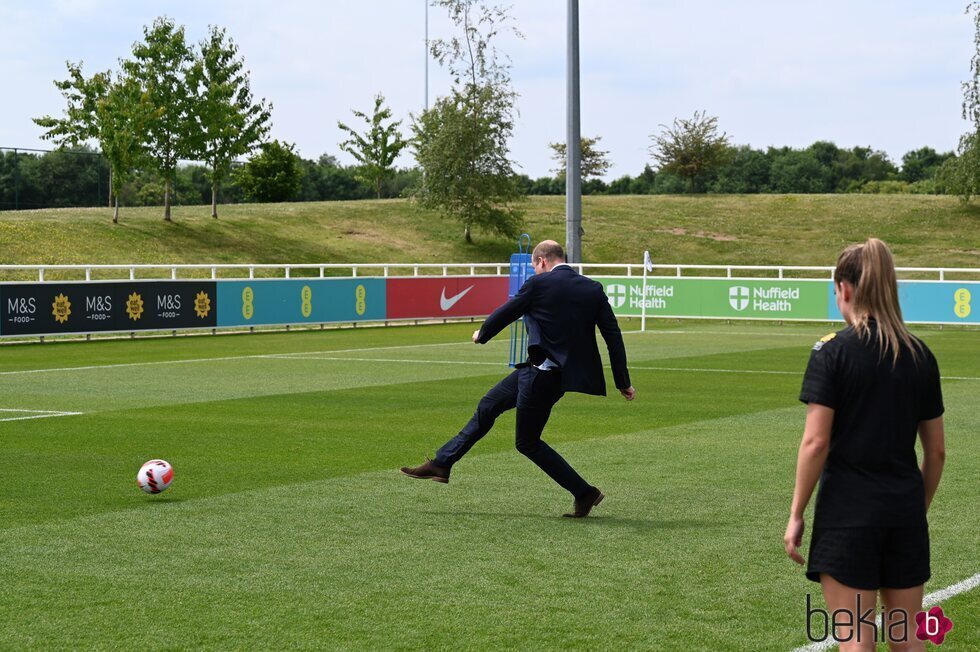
647,263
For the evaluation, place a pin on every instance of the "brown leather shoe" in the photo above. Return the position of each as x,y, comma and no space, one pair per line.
584,505
428,471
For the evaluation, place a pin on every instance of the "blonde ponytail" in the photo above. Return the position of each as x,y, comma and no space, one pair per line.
870,268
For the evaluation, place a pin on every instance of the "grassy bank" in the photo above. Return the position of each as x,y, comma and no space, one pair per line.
733,229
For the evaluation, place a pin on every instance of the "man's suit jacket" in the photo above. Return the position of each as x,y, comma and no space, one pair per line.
561,310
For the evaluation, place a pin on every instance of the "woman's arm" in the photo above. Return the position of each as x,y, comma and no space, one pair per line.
933,437
809,466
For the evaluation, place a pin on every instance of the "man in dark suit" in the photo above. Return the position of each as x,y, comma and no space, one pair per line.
561,310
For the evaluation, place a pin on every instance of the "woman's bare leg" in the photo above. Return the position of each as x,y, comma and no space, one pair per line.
908,601
856,638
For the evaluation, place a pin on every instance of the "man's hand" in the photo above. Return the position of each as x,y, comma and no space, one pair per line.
629,393
476,337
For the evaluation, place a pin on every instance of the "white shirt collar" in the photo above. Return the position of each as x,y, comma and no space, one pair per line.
562,265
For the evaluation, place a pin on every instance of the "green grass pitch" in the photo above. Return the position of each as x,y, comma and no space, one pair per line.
288,525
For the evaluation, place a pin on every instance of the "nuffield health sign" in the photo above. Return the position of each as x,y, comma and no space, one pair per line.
937,302
730,298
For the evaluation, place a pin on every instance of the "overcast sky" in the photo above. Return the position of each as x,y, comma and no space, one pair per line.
877,73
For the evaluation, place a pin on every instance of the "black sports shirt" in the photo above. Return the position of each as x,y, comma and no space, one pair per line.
871,477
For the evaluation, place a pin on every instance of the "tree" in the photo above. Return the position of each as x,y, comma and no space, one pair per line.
122,116
110,112
691,149
228,122
840,167
644,182
467,174
860,165
922,163
621,186
272,175
161,65
961,175
65,177
958,175
595,162
474,59
377,149
746,172
797,171
971,89
325,179
80,122
461,143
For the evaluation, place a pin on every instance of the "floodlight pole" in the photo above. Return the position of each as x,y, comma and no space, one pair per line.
426,55
573,144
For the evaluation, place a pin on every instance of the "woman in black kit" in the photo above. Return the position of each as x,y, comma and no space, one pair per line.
869,389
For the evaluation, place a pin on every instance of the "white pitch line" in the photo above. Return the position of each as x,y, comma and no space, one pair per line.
300,355
720,371
738,333
760,371
297,353
217,359
316,355
932,599
497,364
751,333
36,414
960,587
657,332
125,364
383,348
340,359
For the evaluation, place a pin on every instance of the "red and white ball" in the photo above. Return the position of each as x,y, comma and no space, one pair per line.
155,476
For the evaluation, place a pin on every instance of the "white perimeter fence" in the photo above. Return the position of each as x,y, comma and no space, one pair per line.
38,273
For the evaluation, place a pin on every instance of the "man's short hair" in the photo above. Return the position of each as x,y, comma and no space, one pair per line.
549,250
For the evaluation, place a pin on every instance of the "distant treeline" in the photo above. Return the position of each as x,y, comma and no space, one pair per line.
80,177
820,168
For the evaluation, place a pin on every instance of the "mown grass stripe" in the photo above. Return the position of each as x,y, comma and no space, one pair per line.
386,472
351,350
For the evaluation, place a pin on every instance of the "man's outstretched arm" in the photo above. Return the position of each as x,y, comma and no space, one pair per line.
506,314
609,328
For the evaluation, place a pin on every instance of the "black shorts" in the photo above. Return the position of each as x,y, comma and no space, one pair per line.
871,558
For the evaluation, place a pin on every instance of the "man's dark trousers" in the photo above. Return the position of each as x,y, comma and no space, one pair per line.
533,392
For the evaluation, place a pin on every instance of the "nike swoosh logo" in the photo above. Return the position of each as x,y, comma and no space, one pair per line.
446,304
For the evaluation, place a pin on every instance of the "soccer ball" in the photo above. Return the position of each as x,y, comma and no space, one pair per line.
155,476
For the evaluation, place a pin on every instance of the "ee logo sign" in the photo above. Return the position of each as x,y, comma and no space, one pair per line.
248,308
962,303
360,300
306,307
